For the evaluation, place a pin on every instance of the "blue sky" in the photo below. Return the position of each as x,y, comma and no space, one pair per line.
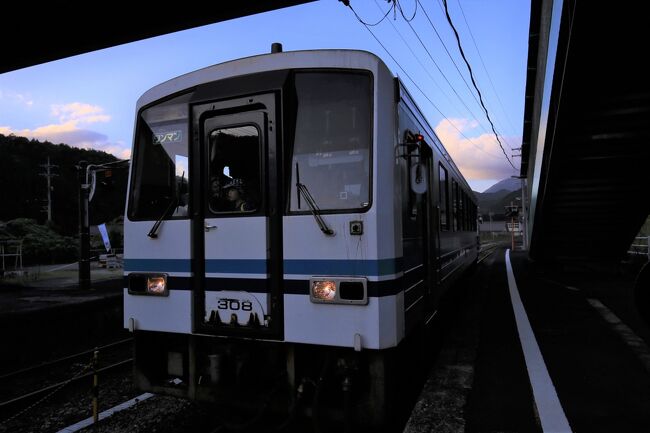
89,100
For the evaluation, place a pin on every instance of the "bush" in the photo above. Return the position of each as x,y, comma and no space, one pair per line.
41,244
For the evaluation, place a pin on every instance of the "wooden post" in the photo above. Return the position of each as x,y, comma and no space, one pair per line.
95,387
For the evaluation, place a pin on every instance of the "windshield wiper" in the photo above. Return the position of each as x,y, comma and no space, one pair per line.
315,210
175,201
153,233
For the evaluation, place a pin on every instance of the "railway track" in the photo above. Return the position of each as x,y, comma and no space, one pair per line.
37,367
25,388
487,250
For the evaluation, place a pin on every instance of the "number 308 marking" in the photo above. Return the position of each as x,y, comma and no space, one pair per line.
234,304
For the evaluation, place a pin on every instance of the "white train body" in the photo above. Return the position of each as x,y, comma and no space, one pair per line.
262,269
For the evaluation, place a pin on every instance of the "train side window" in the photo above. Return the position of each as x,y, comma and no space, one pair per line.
465,212
461,209
474,217
466,197
470,212
444,198
454,192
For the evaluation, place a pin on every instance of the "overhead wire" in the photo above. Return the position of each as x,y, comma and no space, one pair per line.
347,3
471,75
471,34
416,84
454,62
417,58
426,70
442,9
447,51
451,86
443,74
401,11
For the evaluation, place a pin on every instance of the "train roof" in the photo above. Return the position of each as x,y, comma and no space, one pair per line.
320,58
330,58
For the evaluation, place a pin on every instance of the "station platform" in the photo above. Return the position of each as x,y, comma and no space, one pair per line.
539,350
56,286
46,313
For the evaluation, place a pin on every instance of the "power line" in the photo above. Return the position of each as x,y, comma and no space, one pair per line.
471,34
396,3
426,70
471,75
447,51
439,37
443,74
456,66
408,20
347,3
48,175
477,101
417,58
420,89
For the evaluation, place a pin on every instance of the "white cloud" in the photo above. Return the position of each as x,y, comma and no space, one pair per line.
17,98
478,156
71,129
80,113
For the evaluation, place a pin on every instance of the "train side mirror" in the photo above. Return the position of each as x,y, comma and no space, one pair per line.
93,185
418,178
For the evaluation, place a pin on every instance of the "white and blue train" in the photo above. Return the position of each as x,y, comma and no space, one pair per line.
287,211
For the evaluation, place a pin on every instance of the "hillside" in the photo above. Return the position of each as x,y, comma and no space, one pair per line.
509,185
23,191
497,197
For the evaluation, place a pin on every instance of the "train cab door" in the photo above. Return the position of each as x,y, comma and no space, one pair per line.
417,280
237,227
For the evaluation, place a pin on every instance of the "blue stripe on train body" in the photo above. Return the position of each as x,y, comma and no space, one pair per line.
372,268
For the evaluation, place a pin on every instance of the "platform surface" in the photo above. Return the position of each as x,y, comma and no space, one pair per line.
555,351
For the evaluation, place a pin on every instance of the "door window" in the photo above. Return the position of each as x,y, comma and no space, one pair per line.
234,170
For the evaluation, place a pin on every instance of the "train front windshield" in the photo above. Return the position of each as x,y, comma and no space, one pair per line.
161,172
330,153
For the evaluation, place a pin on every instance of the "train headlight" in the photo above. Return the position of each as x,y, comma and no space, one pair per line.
148,284
157,285
323,290
338,290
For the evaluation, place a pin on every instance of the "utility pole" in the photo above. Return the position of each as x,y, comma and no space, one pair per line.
512,226
84,228
523,224
48,175
524,231
524,216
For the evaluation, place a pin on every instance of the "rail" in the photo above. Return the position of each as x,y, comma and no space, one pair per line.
64,359
59,385
30,399
640,249
487,250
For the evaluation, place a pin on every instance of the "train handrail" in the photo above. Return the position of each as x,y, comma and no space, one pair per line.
645,246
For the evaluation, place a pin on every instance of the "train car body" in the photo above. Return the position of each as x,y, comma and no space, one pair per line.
285,209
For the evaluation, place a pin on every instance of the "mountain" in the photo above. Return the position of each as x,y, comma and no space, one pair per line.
497,197
23,190
509,185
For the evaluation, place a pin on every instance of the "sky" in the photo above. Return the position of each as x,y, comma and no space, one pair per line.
89,100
